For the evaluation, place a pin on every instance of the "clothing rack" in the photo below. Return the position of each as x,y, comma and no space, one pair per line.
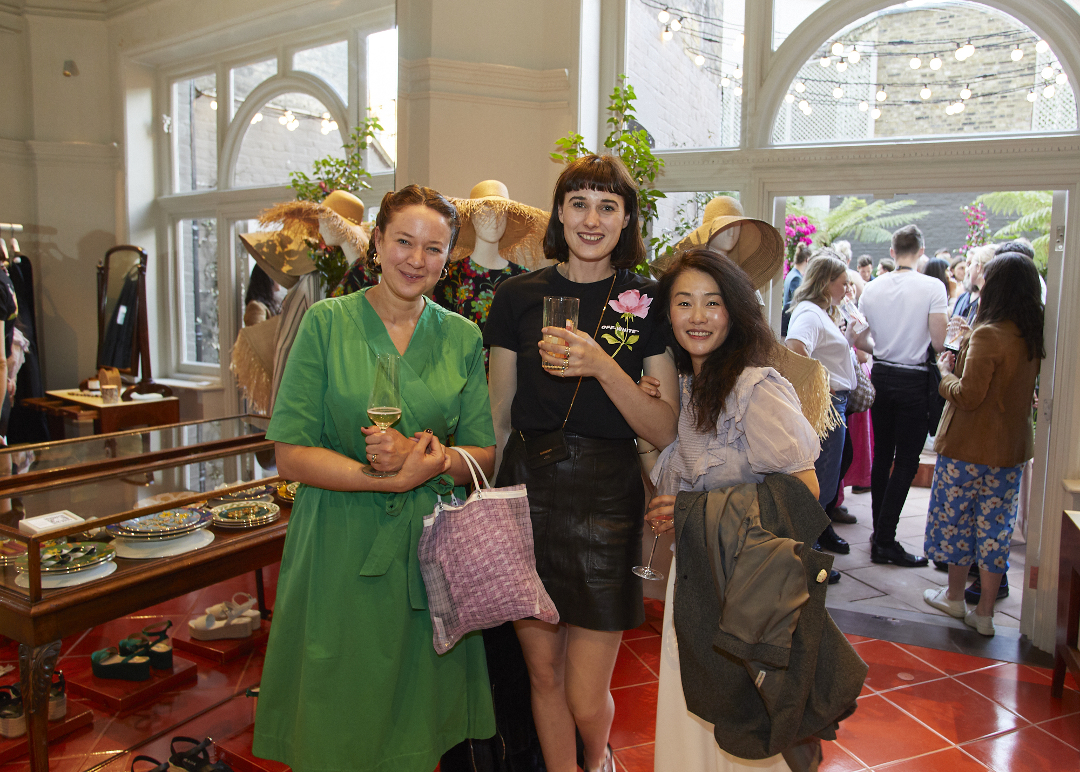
14,228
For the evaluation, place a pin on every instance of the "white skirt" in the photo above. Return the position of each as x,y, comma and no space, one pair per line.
684,742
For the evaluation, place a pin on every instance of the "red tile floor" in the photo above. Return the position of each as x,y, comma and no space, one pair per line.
921,709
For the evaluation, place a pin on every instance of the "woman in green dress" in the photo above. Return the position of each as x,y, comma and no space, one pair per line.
351,679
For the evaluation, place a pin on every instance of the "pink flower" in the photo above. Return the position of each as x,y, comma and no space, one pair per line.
632,302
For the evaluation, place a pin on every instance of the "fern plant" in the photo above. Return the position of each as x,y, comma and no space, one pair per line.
856,219
1034,208
632,146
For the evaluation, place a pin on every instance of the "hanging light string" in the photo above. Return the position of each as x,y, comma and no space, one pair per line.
288,117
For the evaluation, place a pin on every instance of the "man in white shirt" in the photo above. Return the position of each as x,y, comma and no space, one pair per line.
908,312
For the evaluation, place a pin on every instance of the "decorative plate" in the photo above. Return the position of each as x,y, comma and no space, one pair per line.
287,491
245,514
71,557
258,493
167,524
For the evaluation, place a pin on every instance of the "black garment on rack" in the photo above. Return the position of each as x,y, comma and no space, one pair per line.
27,425
120,328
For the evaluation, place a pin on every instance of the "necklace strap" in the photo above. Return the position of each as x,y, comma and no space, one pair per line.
603,310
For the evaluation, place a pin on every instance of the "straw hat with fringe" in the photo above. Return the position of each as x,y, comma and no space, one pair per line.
759,251
282,255
811,382
337,219
523,240
253,363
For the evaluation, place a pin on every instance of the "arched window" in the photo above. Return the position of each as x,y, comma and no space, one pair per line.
286,134
921,70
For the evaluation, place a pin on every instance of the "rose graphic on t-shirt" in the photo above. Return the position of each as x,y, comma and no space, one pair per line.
630,304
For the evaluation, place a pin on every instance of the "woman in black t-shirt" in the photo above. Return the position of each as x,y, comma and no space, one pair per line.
588,503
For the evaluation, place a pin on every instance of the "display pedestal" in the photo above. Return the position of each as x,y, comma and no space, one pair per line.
123,696
222,650
236,752
77,717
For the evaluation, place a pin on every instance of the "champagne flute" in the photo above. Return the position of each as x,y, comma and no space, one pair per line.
647,572
384,406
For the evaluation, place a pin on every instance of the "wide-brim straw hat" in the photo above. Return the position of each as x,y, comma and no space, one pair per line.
253,363
759,251
282,255
811,382
523,240
340,213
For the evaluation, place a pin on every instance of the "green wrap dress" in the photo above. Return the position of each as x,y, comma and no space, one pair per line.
351,680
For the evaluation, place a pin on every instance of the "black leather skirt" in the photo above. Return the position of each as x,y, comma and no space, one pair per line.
587,516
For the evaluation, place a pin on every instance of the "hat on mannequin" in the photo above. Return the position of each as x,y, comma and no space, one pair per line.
521,242
282,255
337,220
757,247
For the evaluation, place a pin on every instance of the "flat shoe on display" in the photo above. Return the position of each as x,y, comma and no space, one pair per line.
896,555
841,515
152,642
12,718
109,663
196,758
833,543
974,592
209,628
58,697
241,604
985,625
939,599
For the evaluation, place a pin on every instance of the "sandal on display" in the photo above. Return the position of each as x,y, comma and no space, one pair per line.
58,697
242,601
12,719
234,624
159,766
109,663
154,642
196,758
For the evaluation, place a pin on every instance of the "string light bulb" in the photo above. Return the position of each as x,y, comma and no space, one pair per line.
740,40
960,56
789,98
881,95
841,66
960,107
804,105
837,92
213,104
864,106
676,25
699,60
737,72
965,93
926,93
800,87
292,125
876,113
667,34
969,50
1017,54
935,63
663,17
1049,91
1062,79
1032,96
1042,47
738,91
725,81
838,49
949,110
256,118
1048,73
854,57
915,63
285,117
824,61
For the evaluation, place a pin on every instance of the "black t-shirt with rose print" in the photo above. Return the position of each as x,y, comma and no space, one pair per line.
631,330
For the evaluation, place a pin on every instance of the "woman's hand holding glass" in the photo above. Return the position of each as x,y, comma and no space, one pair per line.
424,459
661,514
387,449
581,355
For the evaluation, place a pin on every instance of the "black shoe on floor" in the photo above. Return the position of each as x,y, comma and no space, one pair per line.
974,592
860,489
834,576
895,554
941,565
840,514
833,543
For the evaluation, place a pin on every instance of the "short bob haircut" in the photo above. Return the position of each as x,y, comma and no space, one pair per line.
608,174
413,195
749,342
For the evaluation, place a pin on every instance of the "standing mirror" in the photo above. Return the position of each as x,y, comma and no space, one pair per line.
123,336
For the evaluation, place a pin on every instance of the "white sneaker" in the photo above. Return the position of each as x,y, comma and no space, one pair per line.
939,599
985,625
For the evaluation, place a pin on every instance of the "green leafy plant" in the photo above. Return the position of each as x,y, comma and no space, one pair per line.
1034,208
632,146
330,174
687,218
856,219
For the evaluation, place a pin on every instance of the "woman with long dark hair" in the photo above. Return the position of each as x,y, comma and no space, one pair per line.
261,300
740,420
566,415
985,437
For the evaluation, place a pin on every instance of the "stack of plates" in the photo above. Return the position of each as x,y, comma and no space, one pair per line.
263,493
245,514
287,491
70,557
162,526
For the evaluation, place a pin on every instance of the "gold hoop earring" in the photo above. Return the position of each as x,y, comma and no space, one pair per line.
445,272
375,260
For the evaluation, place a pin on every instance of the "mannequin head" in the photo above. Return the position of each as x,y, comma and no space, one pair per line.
489,224
725,241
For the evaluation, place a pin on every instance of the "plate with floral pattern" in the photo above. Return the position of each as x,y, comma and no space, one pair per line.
167,524
71,557
245,514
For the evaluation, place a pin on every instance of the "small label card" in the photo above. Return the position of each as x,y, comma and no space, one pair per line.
49,522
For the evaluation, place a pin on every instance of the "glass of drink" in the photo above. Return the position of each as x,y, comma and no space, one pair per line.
559,312
647,571
384,406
